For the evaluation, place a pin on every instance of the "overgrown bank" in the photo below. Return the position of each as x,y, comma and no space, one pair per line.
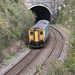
15,20
66,18
66,21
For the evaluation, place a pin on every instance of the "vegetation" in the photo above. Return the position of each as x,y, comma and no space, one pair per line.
66,19
15,20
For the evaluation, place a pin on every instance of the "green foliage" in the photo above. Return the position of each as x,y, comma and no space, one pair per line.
38,68
70,61
66,17
57,69
15,20
69,13
16,1
9,59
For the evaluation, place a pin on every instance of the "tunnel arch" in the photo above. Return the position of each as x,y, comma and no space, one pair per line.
41,11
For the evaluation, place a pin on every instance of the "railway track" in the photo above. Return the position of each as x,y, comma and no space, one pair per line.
51,50
56,51
60,43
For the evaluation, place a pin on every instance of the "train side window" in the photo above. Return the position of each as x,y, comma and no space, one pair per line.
41,33
31,33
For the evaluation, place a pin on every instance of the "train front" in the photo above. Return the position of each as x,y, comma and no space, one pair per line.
36,37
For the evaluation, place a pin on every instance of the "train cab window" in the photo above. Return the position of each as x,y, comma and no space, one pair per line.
41,32
31,33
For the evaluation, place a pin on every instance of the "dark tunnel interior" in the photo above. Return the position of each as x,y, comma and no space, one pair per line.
42,13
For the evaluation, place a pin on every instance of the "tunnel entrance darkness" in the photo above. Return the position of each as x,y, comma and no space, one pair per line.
42,13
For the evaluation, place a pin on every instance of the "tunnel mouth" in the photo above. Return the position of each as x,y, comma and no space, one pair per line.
42,13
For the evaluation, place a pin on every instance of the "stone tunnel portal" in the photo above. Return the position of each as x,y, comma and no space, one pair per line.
42,13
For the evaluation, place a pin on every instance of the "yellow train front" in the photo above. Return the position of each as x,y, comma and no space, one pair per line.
39,33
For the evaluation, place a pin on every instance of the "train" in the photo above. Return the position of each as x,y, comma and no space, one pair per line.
39,33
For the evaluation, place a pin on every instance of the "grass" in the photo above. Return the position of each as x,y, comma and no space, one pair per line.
10,59
66,30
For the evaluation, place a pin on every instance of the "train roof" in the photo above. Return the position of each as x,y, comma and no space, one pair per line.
41,24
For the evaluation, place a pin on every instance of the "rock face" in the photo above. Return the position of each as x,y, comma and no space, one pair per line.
49,7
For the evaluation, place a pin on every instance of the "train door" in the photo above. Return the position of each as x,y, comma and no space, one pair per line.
36,36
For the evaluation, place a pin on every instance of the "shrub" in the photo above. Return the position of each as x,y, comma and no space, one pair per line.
15,20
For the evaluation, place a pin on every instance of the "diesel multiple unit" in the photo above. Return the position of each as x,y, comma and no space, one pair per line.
39,33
